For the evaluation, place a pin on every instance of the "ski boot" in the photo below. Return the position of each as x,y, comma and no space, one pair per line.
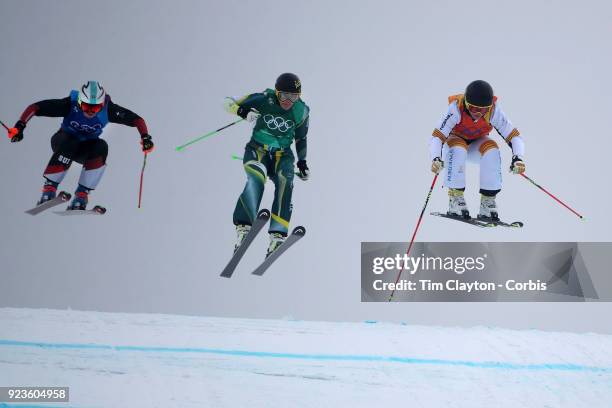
488,209
241,232
456,204
79,202
49,192
276,240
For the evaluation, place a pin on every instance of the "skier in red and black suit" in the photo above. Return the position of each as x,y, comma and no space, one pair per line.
86,113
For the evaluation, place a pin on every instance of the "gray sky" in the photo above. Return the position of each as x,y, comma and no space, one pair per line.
376,76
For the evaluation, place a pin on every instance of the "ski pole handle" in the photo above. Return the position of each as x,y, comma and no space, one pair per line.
551,195
197,139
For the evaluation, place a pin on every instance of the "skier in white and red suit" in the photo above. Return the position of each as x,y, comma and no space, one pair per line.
463,133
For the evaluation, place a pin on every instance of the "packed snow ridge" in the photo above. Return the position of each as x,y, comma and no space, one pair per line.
146,360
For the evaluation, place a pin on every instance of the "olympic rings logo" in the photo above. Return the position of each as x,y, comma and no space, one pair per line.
85,128
278,123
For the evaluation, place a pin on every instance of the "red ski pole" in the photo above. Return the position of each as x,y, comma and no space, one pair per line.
555,198
144,163
433,183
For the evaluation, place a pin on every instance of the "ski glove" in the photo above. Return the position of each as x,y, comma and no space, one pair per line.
436,165
252,116
147,143
304,172
518,165
247,114
16,133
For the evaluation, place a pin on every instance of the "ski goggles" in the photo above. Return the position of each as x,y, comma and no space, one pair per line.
91,109
287,96
477,109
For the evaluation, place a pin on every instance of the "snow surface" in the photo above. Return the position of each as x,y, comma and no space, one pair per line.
140,360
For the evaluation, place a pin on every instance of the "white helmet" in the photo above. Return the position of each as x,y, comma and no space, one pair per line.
92,93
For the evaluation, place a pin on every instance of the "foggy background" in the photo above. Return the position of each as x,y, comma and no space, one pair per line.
376,76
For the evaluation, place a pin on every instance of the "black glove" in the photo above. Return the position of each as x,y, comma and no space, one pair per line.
248,114
147,143
16,133
243,112
303,172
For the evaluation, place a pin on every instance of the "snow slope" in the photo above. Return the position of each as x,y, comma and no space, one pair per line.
138,360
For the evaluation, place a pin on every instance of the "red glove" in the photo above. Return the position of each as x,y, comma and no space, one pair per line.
16,133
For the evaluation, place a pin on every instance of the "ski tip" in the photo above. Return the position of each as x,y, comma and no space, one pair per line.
65,196
299,231
99,209
264,213
517,224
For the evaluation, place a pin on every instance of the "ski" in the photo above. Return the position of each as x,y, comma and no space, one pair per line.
97,210
62,197
296,235
471,221
262,218
514,224
481,222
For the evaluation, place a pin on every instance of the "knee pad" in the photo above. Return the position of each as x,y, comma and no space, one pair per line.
257,169
486,146
455,141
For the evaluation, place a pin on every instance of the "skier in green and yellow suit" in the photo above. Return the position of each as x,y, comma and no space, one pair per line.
280,117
